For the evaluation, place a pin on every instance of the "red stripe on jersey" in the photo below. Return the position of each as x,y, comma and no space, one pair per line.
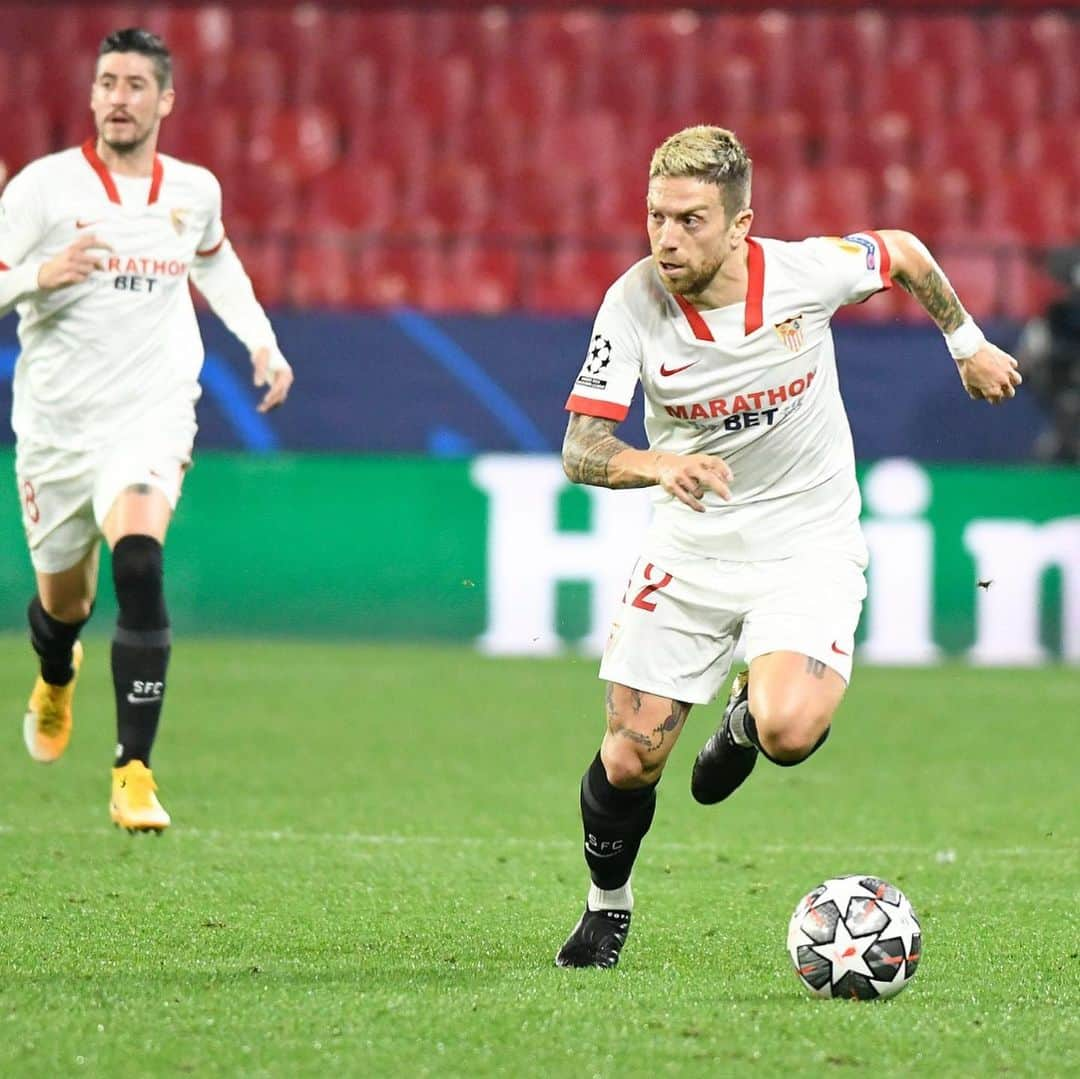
90,153
755,286
693,316
605,410
883,259
155,183
4,266
212,250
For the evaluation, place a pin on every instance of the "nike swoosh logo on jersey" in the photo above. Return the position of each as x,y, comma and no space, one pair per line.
81,224
675,370
839,651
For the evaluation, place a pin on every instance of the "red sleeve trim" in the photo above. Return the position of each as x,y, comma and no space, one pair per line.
212,250
755,287
604,410
4,266
90,153
693,316
884,262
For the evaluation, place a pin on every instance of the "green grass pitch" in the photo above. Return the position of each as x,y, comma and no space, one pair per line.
376,852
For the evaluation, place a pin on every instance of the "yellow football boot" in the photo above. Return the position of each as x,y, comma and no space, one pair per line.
47,723
134,804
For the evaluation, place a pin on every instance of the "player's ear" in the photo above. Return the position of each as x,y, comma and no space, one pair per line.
741,225
166,102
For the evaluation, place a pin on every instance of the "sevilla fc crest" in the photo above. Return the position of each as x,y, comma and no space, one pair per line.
790,331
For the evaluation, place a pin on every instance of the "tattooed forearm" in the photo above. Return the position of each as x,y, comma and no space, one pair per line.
935,293
588,448
815,667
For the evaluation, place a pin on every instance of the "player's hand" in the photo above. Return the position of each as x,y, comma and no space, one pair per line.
689,476
989,375
74,264
279,379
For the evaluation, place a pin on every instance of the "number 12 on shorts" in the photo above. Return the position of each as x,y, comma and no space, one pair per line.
656,579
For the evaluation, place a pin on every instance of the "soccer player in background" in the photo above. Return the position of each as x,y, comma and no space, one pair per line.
96,247
756,520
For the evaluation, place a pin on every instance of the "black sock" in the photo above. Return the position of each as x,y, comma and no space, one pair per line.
53,641
750,726
141,646
615,824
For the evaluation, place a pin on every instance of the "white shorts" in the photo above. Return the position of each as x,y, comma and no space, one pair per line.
681,618
67,494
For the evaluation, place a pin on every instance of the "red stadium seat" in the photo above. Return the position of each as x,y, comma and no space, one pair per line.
403,142
203,34
976,277
458,198
353,91
1051,148
264,198
729,90
495,140
633,93
532,95
586,140
671,39
618,209
916,90
489,37
405,276
444,92
307,137
267,261
321,273
1040,206
779,140
540,204
212,139
26,134
979,148
481,278
355,196
842,202
577,39
573,279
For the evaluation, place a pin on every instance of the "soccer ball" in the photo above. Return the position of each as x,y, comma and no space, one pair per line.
855,937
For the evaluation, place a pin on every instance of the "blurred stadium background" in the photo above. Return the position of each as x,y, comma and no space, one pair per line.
431,201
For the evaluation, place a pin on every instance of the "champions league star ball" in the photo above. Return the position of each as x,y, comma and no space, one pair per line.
855,937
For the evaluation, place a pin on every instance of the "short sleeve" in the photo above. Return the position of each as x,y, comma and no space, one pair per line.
214,234
605,384
21,220
853,267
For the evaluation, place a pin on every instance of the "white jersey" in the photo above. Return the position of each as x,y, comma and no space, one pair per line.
754,382
122,350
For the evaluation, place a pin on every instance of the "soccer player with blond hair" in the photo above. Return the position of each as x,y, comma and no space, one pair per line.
97,245
755,531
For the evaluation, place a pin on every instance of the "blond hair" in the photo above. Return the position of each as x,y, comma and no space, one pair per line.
711,154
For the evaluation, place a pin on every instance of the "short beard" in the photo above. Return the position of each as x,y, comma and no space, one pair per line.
127,147
697,285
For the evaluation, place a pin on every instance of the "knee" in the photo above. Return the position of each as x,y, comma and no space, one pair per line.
71,611
137,564
789,735
137,576
628,767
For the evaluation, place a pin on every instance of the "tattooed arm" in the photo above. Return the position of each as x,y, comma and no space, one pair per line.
986,371
593,455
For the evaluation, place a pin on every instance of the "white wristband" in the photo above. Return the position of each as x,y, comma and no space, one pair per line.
965,340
